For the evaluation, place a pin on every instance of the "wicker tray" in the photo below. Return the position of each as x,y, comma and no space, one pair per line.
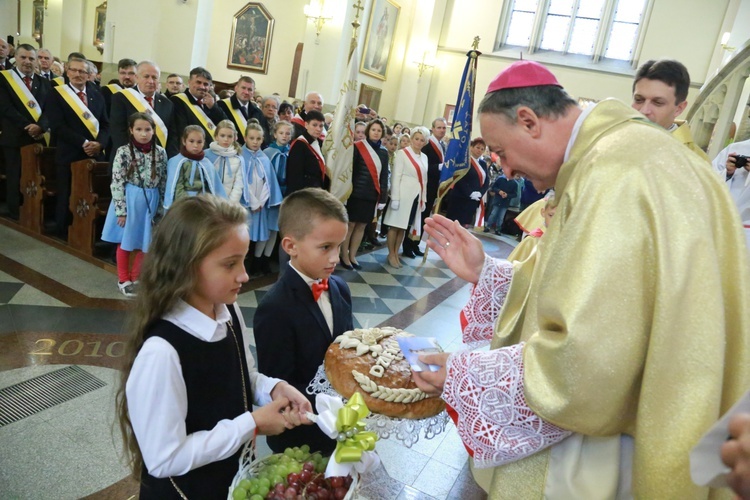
249,468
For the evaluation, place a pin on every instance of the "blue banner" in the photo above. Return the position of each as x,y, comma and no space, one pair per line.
457,155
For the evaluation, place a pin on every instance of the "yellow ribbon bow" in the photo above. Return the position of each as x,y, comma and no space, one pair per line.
353,440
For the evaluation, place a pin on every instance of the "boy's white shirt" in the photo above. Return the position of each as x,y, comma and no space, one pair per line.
158,410
324,301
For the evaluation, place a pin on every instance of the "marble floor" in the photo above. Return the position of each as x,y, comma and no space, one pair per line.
58,311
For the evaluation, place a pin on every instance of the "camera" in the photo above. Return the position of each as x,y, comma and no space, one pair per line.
363,110
740,161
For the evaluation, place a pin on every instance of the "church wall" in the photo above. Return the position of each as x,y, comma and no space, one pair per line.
667,36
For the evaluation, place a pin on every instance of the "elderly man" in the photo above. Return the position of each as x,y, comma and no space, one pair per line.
660,91
196,106
4,55
313,102
240,108
21,119
624,336
80,127
125,78
45,60
143,98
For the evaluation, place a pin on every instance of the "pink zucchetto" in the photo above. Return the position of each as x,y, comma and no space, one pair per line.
523,74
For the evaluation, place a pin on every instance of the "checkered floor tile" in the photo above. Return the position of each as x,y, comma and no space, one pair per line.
378,290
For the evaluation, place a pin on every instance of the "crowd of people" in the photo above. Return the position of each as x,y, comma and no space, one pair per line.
606,347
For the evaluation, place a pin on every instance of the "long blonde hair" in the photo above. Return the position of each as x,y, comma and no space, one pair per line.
191,229
229,125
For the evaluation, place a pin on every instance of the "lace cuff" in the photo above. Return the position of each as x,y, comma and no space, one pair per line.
487,297
484,394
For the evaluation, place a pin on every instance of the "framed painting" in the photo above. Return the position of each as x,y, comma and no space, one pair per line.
38,21
100,20
369,96
250,43
379,38
448,113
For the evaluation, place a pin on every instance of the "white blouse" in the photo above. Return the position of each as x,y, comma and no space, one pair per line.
157,400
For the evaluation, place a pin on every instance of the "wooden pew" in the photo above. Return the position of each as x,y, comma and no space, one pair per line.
89,200
38,186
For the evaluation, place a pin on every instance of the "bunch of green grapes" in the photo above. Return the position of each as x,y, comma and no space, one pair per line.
284,473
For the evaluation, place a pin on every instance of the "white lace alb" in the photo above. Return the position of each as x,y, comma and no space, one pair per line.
479,314
484,393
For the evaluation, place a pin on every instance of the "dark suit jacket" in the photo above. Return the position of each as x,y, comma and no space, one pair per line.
118,122
182,117
252,112
303,169
69,132
13,113
292,337
107,95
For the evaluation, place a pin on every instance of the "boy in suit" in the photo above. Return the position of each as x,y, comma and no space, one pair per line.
308,307
306,166
80,127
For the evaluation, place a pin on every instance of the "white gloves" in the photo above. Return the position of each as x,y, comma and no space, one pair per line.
395,204
381,206
476,196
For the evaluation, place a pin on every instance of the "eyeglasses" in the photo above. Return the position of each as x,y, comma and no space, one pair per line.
81,71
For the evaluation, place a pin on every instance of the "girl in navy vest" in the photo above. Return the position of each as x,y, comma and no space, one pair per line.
189,382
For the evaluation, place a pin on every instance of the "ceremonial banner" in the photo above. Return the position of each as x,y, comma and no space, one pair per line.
338,145
457,156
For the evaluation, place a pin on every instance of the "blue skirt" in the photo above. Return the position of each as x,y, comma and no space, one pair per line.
136,235
258,224
273,218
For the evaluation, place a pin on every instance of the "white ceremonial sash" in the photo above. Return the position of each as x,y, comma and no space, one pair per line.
140,103
199,114
23,93
80,109
239,118
438,148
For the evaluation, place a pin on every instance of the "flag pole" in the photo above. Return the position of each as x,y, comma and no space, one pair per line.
457,158
355,24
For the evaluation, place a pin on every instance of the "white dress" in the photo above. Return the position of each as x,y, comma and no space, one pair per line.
405,187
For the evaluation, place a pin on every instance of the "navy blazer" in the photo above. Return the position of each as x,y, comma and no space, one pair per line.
13,113
68,132
121,111
292,337
182,117
302,167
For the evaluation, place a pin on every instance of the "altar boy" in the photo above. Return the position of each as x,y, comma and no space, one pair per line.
308,307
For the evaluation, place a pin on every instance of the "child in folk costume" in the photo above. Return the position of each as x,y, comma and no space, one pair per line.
186,399
263,193
190,173
138,180
408,186
225,154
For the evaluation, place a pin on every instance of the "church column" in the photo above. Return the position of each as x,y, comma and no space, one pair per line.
727,110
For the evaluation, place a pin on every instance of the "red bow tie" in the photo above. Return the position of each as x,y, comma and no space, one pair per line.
318,288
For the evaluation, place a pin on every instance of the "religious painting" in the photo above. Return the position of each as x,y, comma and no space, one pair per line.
369,96
38,21
250,43
381,32
448,113
99,25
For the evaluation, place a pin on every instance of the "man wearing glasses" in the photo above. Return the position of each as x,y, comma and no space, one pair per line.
80,129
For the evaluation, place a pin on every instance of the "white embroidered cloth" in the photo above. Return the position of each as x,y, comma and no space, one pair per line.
479,314
407,431
484,393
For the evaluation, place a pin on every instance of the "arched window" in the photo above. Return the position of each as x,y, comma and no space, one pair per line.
599,29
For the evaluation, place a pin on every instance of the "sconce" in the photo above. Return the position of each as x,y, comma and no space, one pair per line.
315,13
423,65
724,40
